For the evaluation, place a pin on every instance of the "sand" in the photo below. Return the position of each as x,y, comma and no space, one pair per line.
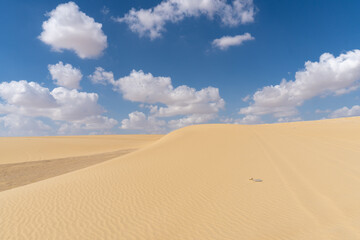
283,181
25,149
13,175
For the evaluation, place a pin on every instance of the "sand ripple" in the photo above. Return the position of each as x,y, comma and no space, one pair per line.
193,184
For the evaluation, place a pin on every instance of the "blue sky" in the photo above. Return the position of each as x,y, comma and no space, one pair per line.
117,71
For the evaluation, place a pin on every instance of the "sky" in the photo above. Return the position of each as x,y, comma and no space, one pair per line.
136,66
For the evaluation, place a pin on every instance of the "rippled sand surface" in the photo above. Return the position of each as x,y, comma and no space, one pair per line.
283,181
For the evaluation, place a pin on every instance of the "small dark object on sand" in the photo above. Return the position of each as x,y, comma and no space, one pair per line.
256,179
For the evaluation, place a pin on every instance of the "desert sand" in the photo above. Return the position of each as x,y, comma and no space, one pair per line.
26,149
280,181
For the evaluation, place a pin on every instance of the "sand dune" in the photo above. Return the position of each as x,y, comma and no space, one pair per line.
18,174
14,149
195,184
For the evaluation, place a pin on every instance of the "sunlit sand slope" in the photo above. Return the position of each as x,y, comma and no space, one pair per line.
24,149
194,184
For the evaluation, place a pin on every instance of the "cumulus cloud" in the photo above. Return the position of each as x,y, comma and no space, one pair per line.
319,111
26,94
74,105
69,28
141,87
225,42
151,22
182,100
289,119
17,125
65,75
139,121
88,125
100,76
346,112
190,120
329,76
247,120
146,88
29,99
163,99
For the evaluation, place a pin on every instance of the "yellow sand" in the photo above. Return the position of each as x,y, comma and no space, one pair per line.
194,184
14,149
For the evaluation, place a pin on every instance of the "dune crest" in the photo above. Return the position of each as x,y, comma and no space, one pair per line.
194,184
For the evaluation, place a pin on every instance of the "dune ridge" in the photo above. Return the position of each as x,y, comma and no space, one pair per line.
194,183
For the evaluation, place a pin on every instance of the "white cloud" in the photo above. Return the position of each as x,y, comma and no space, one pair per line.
17,125
151,22
69,28
141,87
139,121
97,122
330,75
65,75
246,98
186,100
29,99
92,124
225,42
159,95
346,112
102,77
146,88
26,94
289,119
183,100
247,120
74,105
190,120
319,111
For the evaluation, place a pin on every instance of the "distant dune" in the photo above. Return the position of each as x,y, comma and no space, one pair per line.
25,149
207,182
